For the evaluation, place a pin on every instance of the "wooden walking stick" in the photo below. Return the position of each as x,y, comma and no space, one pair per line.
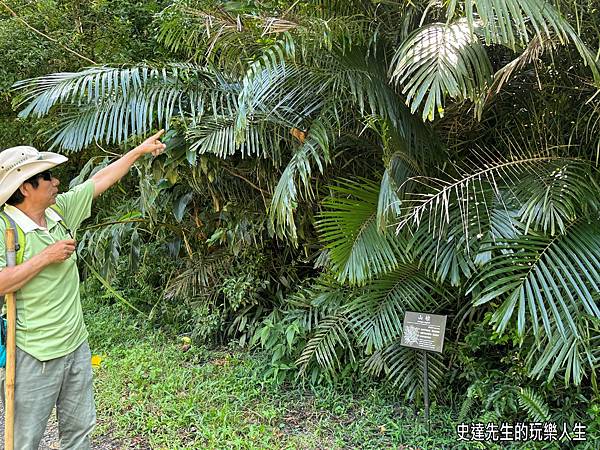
11,322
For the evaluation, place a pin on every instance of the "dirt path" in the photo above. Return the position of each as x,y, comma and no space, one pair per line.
50,439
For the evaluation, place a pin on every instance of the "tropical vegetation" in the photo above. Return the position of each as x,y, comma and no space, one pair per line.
334,164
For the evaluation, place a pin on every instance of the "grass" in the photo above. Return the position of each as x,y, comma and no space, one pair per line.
150,393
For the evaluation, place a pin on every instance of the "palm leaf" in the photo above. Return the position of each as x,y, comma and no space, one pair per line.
453,249
314,149
376,314
405,366
542,277
289,95
388,203
438,197
199,275
439,60
329,338
217,36
556,194
348,228
293,93
111,104
516,22
571,353
218,135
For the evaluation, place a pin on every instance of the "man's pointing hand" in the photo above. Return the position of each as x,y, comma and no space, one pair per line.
152,145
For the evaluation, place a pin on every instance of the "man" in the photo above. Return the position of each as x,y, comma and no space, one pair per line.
53,366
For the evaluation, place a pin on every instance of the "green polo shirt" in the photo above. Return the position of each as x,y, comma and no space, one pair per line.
49,315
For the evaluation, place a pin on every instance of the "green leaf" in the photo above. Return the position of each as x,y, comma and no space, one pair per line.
542,278
181,205
440,60
535,406
376,314
347,226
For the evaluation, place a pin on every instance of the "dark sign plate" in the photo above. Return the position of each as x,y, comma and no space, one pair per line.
424,331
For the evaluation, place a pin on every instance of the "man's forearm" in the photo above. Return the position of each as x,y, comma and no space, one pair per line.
112,173
14,278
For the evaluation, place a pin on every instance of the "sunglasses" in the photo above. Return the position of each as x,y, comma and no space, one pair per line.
46,175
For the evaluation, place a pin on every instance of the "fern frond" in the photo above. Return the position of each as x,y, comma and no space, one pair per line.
534,404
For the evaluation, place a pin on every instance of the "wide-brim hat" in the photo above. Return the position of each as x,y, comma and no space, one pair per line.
17,164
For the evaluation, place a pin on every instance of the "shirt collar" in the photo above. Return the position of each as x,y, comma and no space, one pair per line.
24,221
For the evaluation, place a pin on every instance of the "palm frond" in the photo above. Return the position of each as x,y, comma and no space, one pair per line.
376,314
453,248
348,228
438,196
287,94
218,135
389,203
556,194
208,35
328,9
441,60
201,274
577,354
213,35
541,277
515,23
364,76
329,339
294,93
404,367
315,150
533,52
111,104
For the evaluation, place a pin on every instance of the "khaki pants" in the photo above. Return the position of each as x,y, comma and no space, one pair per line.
64,382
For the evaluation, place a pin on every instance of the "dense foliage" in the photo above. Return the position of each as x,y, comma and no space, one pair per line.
333,164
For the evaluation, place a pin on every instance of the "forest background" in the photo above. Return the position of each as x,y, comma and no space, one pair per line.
331,165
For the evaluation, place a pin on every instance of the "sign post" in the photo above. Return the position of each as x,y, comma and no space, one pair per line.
425,332
426,389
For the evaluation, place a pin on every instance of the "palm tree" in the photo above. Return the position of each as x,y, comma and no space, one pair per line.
430,140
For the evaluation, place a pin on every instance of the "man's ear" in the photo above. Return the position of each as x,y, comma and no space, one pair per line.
24,188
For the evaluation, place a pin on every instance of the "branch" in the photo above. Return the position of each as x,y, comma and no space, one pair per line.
245,179
14,14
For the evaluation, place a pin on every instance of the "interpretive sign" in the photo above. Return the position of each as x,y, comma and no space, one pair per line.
424,331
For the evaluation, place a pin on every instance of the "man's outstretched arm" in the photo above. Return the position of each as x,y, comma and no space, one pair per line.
112,173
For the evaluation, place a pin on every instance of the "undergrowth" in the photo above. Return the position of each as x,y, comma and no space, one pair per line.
154,390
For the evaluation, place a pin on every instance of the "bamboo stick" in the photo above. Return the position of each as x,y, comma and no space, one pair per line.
11,316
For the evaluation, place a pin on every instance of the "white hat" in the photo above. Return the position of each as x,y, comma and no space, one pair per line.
17,164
